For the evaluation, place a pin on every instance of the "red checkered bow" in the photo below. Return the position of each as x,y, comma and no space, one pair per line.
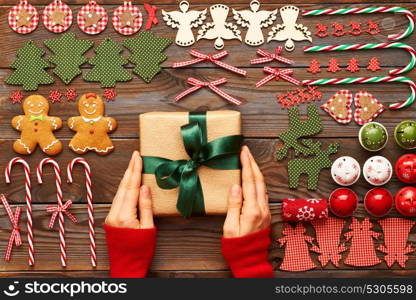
268,57
55,210
197,84
214,58
277,73
151,12
15,234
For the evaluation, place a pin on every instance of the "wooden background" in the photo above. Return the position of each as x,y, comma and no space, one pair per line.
191,248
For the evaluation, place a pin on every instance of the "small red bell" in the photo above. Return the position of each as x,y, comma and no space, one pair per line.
406,168
378,202
406,201
343,202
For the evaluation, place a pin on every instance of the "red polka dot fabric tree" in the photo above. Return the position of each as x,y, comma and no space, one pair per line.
353,65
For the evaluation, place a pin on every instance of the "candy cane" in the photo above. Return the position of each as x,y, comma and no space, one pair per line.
28,196
358,80
39,172
348,47
369,10
87,168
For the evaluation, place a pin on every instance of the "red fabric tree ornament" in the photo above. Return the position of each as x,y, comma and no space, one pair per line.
333,65
362,252
396,234
374,64
353,65
16,96
328,234
297,256
314,67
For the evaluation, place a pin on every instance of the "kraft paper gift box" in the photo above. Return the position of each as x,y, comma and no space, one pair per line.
161,136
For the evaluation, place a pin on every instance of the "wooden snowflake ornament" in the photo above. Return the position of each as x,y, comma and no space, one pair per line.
23,18
127,19
255,20
57,17
289,31
184,20
219,30
92,18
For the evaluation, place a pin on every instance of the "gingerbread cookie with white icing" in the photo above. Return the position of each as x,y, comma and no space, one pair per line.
36,128
91,127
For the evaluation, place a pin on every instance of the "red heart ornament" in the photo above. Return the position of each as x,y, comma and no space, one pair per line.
339,106
367,107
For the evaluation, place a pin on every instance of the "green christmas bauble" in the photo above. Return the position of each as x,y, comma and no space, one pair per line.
373,136
405,134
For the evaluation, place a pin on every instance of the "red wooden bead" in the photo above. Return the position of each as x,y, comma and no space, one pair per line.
406,201
378,202
343,202
406,168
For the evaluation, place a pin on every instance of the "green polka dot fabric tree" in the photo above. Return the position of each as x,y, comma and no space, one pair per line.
68,55
147,54
30,68
108,65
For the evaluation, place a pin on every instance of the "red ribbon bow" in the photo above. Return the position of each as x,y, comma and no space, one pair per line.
59,209
197,84
276,73
268,57
214,58
151,11
14,221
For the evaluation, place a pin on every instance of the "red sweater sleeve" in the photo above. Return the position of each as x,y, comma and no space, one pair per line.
247,255
130,251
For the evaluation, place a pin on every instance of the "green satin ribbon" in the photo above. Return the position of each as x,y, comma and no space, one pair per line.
34,118
221,154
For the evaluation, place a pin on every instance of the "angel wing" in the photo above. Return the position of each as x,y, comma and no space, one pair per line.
172,18
277,33
196,17
207,31
267,17
231,32
301,33
243,17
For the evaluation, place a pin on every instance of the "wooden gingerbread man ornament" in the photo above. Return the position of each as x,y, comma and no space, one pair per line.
255,20
184,20
36,128
91,127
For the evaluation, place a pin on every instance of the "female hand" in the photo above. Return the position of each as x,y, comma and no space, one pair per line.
252,214
129,197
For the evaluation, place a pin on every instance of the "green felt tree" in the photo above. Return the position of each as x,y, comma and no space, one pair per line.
68,55
108,65
30,68
147,54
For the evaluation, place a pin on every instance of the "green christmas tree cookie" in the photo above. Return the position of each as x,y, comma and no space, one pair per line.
108,65
147,54
29,68
68,55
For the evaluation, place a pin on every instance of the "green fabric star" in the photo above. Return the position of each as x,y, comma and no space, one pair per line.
108,65
68,55
30,68
147,54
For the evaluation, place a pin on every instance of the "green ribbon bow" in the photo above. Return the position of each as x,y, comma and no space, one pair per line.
34,118
221,154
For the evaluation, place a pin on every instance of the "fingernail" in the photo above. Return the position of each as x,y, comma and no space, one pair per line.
235,190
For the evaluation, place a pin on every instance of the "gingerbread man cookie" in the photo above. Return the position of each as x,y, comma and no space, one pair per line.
37,127
91,126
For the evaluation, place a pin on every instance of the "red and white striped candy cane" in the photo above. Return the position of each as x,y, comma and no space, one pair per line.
369,10
28,196
58,181
87,168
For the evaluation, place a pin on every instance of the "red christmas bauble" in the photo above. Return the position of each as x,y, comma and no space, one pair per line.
378,202
343,202
406,168
406,201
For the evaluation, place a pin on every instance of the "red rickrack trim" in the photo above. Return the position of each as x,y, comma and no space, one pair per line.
110,95
355,28
339,29
55,96
71,94
16,96
372,27
321,30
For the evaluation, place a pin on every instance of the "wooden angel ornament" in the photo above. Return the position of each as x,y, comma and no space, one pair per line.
289,31
255,20
219,29
184,20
